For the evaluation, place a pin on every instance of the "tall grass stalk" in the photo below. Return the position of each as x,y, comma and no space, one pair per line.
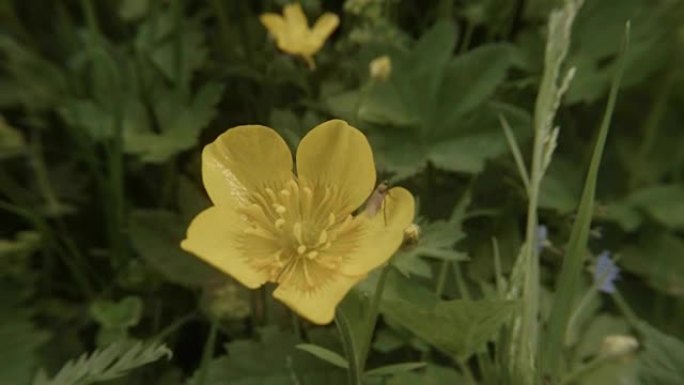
525,282
568,280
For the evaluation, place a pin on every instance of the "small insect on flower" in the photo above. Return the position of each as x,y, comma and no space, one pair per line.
374,202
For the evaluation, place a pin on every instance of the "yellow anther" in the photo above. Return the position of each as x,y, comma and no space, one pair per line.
285,193
259,232
331,219
301,249
270,193
297,231
322,237
293,186
312,254
279,223
280,209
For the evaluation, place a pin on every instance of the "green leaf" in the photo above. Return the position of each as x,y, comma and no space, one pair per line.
423,73
624,214
395,368
432,375
124,313
130,10
656,257
157,39
470,80
324,354
597,29
182,118
560,187
663,203
478,139
436,241
459,327
110,363
11,140
273,360
156,236
662,361
20,340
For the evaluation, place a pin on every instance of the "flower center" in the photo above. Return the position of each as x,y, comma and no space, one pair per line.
298,233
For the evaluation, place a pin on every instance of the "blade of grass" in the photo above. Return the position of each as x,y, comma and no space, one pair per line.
525,280
572,263
515,150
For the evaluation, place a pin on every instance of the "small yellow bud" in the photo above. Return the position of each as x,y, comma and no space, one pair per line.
380,68
411,235
619,345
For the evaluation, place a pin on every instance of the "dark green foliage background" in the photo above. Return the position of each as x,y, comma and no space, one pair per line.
106,105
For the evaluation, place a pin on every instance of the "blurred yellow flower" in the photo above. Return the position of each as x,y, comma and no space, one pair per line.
299,231
293,35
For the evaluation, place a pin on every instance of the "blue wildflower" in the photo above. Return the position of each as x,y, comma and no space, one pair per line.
542,238
605,273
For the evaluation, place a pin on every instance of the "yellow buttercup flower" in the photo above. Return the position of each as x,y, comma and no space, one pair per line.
293,35
299,231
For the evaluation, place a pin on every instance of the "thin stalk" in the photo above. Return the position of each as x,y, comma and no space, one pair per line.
373,316
461,282
467,36
626,309
208,352
177,9
515,150
500,283
653,121
175,325
76,258
222,17
441,278
355,373
72,266
584,302
296,326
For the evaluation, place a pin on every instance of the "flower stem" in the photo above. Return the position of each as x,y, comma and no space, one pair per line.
373,317
208,351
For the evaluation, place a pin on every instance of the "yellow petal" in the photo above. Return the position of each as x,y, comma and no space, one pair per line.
242,160
337,154
324,26
274,23
382,234
294,15
317,306
213,237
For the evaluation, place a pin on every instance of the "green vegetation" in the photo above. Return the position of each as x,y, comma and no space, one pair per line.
542,140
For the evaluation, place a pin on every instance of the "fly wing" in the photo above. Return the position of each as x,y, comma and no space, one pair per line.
374,203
